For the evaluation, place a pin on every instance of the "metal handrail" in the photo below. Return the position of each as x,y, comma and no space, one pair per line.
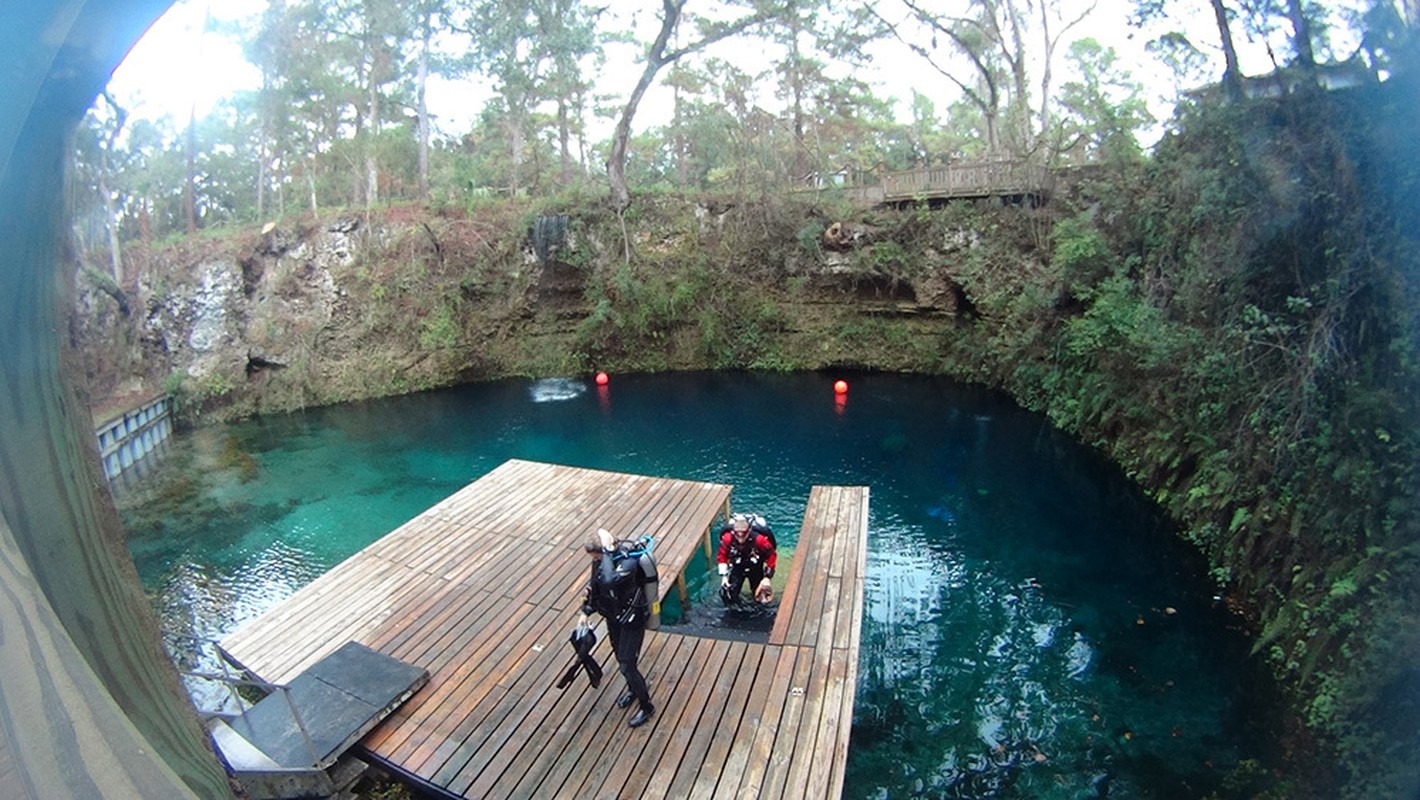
231,682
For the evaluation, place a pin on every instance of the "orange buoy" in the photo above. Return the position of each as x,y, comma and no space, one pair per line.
602,379
840,387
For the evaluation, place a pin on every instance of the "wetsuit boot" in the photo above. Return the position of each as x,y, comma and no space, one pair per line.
642,714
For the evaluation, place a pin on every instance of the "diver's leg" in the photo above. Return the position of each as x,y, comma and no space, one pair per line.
628,651
754,574
731,594
613,634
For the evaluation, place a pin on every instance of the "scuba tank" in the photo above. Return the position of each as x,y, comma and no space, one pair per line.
640,549
648,566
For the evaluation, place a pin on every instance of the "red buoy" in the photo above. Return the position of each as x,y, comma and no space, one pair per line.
602,379
840,387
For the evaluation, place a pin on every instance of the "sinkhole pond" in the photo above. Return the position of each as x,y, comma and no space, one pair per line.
1032,629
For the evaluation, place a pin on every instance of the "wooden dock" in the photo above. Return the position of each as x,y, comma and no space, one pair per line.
483,589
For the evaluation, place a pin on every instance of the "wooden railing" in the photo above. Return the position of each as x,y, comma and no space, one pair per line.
970,179
993,178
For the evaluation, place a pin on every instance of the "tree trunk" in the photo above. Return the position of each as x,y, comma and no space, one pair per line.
115,249
677,138
564,141
620,138
991,118
189,187
262,165
311,187
372,129
1232,76
1015,54
1301,34
515,154
796,94
376,58
422,80
1045,75
657,57
616,161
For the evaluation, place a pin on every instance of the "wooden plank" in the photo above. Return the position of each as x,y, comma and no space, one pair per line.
854,534
835,606
680,713
486,707
595,737
299,640
787,768
622,513
835,726
492,736
296,612
766,776
407,727
499,512
255,640
850,653
673,550
807,606
706,717
454,646
726,757
729,726
474,677
752,748
807,609
789,600
552,722
427,614
615,763
487,530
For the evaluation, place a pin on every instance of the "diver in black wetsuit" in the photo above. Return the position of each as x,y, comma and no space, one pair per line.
621,589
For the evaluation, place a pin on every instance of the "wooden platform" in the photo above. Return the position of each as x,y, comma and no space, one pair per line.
482,590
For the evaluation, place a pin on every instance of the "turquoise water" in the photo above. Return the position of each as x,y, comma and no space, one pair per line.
1032,627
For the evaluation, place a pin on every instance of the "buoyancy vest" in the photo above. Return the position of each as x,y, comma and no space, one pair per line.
617,589
757,549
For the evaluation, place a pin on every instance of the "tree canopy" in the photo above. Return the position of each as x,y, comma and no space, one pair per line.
760,92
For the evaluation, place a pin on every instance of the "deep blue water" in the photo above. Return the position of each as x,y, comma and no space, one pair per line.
1032,627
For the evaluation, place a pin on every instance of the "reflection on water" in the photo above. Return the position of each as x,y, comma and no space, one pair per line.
1031,630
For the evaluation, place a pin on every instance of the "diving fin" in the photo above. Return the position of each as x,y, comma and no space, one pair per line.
584,645
583,640
566,679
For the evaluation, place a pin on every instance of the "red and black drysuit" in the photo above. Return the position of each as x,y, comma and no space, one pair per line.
749,560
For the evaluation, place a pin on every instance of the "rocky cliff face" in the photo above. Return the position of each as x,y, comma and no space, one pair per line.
207,318
373,304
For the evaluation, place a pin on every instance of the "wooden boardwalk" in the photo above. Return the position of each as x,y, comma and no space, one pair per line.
483,589
974,179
